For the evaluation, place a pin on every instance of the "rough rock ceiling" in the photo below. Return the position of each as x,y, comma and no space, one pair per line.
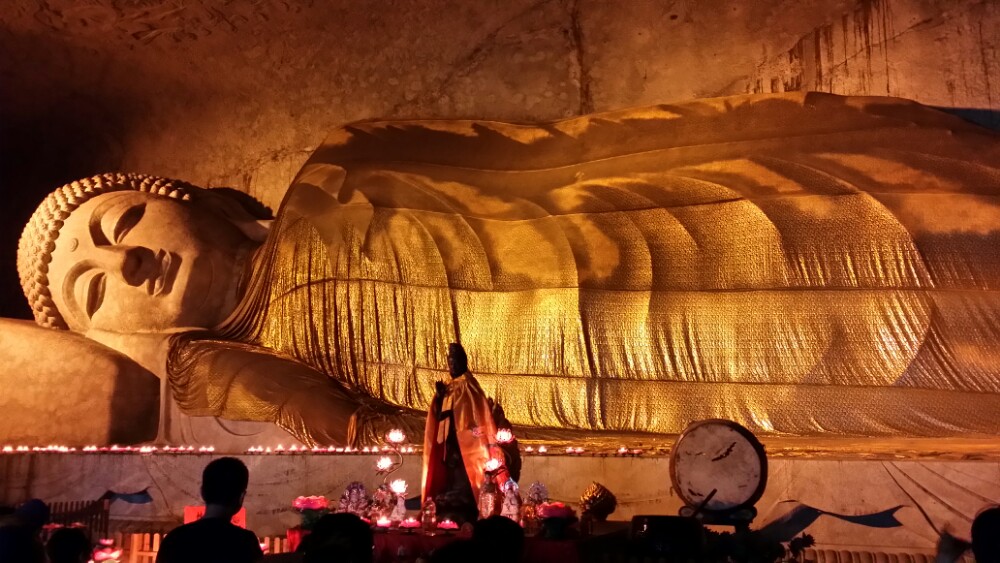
237,92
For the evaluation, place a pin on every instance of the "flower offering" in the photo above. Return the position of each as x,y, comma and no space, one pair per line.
555,510
384,464
447,524
410,523
310,503
312,508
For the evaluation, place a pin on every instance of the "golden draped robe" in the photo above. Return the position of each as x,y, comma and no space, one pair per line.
803,264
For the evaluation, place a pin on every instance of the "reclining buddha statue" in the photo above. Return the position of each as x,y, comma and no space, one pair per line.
804,264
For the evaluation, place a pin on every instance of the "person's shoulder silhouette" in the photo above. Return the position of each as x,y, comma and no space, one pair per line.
214,538
209,539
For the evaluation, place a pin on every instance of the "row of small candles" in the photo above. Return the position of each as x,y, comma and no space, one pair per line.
279,449
395,437
412,523
108,449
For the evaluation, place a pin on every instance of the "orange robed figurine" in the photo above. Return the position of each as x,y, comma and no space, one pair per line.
460,437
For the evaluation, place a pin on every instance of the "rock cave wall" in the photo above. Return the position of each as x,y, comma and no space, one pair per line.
237,93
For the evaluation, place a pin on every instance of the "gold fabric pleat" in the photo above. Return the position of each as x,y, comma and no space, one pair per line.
802,264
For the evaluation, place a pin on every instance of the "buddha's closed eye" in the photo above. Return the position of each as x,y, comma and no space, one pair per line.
127,221
94,292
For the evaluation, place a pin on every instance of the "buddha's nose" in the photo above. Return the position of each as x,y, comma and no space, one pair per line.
133,264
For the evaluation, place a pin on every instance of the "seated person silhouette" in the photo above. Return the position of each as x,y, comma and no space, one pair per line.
344,538
69,545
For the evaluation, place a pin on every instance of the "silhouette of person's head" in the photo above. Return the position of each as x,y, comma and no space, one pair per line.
986,536
17,544
339,537
69,545
33,515
500,538
224,483
460,551
458,362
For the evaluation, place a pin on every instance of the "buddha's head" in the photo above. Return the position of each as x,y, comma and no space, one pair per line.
128,254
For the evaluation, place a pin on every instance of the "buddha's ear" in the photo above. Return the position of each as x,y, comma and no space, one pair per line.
231,205
149,350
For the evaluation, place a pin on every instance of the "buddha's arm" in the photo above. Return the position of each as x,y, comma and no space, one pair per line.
75,392
244,382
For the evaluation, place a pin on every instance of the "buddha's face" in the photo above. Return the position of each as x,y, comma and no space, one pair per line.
133,262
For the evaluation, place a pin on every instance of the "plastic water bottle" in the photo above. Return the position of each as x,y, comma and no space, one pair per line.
428,516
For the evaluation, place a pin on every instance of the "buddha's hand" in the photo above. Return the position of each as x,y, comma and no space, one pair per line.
440,389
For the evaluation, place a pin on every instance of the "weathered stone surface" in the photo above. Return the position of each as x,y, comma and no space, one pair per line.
937,52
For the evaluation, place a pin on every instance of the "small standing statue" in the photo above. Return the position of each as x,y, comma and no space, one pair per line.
537,494
354,500
511,507
459,442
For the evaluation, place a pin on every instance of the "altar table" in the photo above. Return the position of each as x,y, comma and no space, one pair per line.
394,546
